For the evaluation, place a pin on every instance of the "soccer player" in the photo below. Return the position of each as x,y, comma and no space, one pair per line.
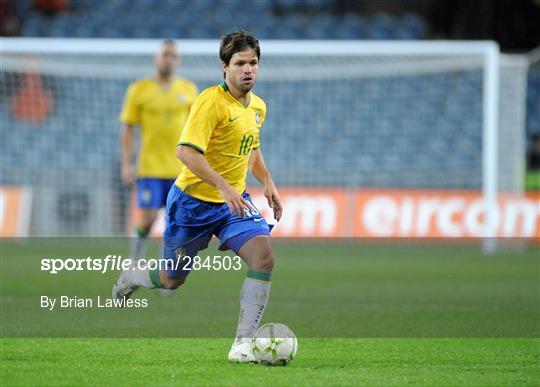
220,141
160,107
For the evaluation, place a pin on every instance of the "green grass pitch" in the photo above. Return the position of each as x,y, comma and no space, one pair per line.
475,362
364,314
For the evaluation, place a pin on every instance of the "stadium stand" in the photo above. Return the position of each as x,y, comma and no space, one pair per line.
288,19
91,139
89,136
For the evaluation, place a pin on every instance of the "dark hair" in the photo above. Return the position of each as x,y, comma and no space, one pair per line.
168,41
237,41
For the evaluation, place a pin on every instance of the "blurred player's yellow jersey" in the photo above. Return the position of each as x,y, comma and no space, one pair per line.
161,114
225,132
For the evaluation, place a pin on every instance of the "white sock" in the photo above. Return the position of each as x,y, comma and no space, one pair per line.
139,246
253,299
137,277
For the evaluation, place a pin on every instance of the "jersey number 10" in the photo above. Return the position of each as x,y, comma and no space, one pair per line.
245,145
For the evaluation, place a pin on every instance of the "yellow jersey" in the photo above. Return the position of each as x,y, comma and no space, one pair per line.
225,132
161,115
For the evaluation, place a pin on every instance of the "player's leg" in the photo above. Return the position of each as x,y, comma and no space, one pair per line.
259,257
249,238
183,236
170,274
139,241
166,185
178,253
149,201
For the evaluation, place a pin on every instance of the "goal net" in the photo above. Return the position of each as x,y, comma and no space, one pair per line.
430,126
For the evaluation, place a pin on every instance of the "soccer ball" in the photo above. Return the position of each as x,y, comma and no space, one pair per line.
274,344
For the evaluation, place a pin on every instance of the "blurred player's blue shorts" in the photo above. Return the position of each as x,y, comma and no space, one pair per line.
190,224
152,192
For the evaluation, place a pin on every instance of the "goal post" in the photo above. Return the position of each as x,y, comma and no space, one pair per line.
364,114
490,141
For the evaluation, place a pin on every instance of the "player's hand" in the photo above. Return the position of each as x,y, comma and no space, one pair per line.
274,201
235,201
128,175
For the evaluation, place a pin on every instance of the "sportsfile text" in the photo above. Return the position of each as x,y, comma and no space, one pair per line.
117,263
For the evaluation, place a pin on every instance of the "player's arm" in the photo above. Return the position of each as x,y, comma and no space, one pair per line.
258,168
129,117
127,145
195,161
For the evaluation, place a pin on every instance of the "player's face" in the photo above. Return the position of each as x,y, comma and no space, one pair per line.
242,70
167,60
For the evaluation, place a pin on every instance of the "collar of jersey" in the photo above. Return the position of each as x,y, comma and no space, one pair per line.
226,89
171,86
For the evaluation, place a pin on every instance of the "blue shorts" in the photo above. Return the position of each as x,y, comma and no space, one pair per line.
152,192
190,224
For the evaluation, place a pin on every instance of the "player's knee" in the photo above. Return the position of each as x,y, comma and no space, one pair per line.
147,219
172,283
145,226
266,262
143,230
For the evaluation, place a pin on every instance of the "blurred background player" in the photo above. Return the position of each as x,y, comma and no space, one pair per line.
160,107
218,144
